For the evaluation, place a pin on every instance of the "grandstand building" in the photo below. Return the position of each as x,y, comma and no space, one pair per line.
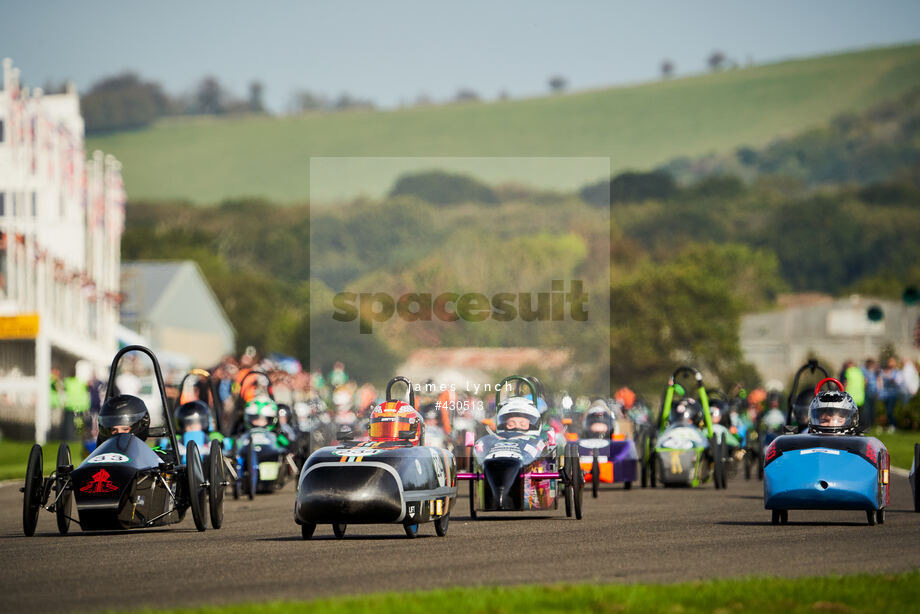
61,221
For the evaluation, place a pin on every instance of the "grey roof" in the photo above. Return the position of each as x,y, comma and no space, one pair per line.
143,283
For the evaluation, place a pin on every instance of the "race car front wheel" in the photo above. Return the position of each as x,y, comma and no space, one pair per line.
64,495
473,499
307,529
780,517
339,530
440,525
216,486
32,491
595,477
194,475
917,477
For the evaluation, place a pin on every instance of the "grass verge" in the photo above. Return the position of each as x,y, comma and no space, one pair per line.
859,593
15,454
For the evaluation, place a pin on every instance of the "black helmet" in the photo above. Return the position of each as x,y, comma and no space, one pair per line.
192,413
687,413
833,412
286,415
598,419
123,410
800,408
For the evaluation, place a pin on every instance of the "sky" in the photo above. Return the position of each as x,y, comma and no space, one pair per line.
394,51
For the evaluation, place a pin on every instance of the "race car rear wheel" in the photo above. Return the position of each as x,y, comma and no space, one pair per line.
194,474
780,517
440,525
411,530
307,529
339,530
595,477
216,486
64,495
880,516
32,491
870,517
627,485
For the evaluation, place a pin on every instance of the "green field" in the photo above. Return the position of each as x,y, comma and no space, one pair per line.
862,593
15,454
207,159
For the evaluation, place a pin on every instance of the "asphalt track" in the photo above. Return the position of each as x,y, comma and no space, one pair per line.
642,535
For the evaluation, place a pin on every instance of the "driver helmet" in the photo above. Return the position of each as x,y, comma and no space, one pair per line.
517,414
800,407
261,412
193,416
123,410
687,413
396,421
833,412
598,420
718,411
286,415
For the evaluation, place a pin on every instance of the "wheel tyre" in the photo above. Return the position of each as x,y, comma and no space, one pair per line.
339,530
917,477
64,495
411,530
627,485
578,486
473,514
870,517
784,517
307,529
595,477
252,478
194,475
216,488
440,525
652,468
775,516
716,464
880,516
32,491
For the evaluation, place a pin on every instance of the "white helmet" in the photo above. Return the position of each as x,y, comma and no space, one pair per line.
518,407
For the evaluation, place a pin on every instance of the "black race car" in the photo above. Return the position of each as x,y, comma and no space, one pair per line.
124,483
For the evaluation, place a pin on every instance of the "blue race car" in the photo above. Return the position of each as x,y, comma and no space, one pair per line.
832,466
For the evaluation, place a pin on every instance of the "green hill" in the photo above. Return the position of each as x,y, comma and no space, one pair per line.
207,159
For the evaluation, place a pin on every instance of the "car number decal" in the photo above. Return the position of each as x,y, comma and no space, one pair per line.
110,457
357,452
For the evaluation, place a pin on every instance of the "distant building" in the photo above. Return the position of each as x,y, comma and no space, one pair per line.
61,221
171,304
779,342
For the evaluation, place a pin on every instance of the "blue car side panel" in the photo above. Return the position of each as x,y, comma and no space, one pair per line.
821,479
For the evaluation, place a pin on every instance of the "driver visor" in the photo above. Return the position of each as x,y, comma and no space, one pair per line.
388,427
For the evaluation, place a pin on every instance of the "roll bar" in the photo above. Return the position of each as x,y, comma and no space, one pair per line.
161,385
404,380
